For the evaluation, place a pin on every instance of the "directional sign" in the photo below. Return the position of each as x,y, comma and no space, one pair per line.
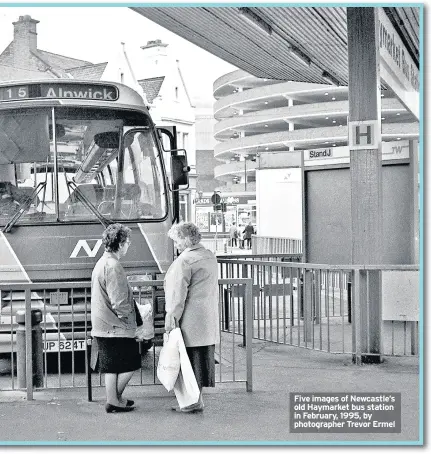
397,68
364,135
215,198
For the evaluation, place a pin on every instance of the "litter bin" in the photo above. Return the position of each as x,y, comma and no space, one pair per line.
37,348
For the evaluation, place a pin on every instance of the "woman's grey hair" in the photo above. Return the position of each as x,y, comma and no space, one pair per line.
185,233
114,236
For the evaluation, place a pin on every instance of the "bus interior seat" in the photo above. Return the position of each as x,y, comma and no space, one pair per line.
8,206
129,191
130,195
12,197
23,194
92,192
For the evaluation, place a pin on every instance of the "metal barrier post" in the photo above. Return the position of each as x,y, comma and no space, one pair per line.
29,348
20,349
88,371
356,329
308,304
226,293
413,338
349,299
244,303
248,303
301,295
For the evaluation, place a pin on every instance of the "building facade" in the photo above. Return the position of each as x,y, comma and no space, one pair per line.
23,60
159,75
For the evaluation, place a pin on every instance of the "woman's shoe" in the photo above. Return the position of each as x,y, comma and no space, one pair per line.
114,409
195,408
130,403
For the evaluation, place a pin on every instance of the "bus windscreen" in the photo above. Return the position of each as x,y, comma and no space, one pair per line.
121,178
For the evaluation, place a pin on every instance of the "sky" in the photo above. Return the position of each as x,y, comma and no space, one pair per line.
95,33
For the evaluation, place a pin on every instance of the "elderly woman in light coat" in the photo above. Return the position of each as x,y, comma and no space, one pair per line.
191,291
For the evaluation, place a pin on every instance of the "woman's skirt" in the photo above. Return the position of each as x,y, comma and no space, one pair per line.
203,364
117,355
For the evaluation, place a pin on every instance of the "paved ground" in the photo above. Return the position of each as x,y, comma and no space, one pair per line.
231,415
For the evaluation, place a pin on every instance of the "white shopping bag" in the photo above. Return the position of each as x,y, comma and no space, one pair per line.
186,388
146,330
168,366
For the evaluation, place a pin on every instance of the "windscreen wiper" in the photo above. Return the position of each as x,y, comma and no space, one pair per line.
80,196
24,207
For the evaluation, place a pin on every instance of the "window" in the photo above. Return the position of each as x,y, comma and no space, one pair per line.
202,218
185,140
183,208
91,181
142,192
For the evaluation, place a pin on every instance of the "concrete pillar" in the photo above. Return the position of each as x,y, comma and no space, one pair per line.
414,207
291,125
365,170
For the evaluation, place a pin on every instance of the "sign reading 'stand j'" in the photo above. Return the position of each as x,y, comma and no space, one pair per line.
345,412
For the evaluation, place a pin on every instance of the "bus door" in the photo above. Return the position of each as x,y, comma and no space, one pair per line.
178,167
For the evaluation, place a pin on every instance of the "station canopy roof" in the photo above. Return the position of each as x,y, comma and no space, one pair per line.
304,44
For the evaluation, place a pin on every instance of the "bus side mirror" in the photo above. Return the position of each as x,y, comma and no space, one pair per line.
180,171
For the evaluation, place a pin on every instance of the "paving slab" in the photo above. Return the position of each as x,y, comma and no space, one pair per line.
231,414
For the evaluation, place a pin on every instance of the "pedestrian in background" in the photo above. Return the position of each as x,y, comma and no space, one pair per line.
191,295
113,319
240,234
248,232
233,235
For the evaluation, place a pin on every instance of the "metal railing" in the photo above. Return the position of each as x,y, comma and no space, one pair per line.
275,245
66,338
317,307
260,245
216,245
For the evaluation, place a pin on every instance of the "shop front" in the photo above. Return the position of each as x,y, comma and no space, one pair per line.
240,209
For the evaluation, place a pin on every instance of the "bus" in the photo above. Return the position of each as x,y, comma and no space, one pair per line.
76,156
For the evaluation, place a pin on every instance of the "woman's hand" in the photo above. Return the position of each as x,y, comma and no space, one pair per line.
169,323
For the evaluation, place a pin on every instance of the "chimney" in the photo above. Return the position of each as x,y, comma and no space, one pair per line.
155,61
155,43
25,36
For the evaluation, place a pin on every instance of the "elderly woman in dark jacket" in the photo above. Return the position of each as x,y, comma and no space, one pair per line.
113,319
191,293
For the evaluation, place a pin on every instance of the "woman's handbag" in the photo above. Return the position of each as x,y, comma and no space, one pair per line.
186,388
146,329
168,366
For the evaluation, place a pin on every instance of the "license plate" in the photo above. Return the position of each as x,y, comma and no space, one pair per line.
64,345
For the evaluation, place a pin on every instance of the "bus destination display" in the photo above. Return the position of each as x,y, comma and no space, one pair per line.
59,91
14,93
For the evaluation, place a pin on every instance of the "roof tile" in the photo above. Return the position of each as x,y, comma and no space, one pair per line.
61,61
89,72
151,87
10,73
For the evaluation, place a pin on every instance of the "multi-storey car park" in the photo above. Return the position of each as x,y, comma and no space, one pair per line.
264,123
256,116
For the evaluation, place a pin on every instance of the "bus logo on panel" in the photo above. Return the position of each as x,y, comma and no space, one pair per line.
83,249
